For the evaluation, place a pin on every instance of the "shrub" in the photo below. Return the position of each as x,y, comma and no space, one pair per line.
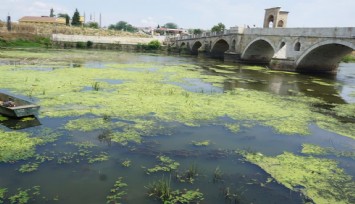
80,45
89,44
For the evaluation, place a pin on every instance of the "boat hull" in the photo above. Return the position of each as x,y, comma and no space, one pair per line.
22,107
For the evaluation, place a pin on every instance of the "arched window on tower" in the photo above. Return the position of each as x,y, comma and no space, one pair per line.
271,21
280,24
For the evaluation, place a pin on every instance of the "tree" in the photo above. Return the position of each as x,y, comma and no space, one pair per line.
66,16
171,25
92,25
197,31
220,27
51,13
76,18
122,25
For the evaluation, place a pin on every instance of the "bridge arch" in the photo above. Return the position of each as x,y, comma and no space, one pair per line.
195,47
219,48
260,50
324,56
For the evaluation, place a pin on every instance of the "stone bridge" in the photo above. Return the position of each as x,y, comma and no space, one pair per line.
290,49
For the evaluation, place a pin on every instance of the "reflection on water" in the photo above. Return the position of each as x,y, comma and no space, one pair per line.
71,175
20,123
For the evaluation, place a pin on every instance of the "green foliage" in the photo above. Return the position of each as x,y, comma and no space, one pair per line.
171,25
197,31
51,13
117,192
66,16
220,27
92,25
348,58
152,45
80,45
37,42
89,44
76,18
123,26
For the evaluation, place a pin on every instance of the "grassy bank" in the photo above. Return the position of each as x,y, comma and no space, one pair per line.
349,58
23,41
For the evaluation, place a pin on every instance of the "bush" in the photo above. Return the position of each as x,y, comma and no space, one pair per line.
154,45
89,44
80,45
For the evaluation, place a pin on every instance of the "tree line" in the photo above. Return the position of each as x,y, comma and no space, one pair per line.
125,26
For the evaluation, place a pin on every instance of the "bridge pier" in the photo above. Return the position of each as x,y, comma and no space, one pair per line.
282,64
230,56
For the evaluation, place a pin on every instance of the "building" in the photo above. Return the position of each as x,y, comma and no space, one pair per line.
42,20
274,18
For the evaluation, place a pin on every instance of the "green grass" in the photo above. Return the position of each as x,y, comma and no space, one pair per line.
24,43
349,58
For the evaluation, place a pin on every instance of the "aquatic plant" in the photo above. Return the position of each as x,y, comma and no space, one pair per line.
189,175
231,196
217,175
117,192
201,143
2,194
96,86
103,156
126,163
30,167
317,150
165,164
16,146
345,110
162,191
24,196
321,180
147,93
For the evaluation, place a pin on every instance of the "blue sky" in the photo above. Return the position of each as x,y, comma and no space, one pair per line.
191,13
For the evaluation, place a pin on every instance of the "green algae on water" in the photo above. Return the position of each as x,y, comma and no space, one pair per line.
117,192
150,93
2,194
321,180
312,149
203,143
165,164
16,146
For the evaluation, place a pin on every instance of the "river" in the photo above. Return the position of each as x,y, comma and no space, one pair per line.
192,124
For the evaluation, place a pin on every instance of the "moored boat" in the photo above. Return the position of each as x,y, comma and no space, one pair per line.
15,107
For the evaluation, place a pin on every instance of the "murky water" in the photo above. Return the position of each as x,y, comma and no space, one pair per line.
70,178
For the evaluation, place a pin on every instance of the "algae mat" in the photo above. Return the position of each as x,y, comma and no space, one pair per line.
127,99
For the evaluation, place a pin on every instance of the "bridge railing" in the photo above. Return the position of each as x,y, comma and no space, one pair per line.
205,34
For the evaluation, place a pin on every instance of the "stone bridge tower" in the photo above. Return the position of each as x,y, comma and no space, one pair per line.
275,18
